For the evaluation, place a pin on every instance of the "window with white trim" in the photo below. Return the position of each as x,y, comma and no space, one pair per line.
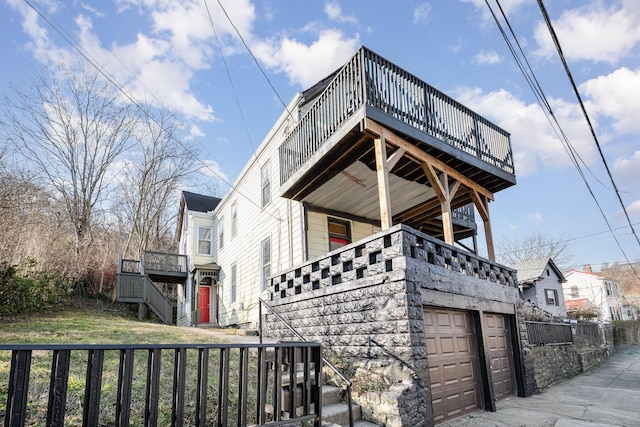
204,240
265,262
221,233
232,288
234,218
265,177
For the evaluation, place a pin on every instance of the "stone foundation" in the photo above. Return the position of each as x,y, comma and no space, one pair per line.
365,302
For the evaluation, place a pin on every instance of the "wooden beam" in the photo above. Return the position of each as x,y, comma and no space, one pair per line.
395,158
383,183
380,131
434,180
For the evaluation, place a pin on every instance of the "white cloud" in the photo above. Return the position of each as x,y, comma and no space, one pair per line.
421,14
616,95
211,168
599,31
509,7
307,64
487,58
536,217
335,13
534,142
626,169
634,208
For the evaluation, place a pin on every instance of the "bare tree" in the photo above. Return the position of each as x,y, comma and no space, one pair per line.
71,128
516,250
149,183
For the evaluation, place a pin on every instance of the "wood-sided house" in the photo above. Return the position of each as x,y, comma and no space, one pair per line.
354,220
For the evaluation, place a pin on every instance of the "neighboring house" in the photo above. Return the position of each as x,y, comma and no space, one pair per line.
579,305
352,220
540,283
602,291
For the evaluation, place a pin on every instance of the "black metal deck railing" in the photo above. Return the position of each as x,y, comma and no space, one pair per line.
151,385
544,333
370,80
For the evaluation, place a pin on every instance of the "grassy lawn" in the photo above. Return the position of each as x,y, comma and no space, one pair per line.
96,322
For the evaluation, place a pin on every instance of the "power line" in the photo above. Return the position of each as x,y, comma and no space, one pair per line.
529,75
94,63
584,111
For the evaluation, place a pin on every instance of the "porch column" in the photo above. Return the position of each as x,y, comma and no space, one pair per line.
382,171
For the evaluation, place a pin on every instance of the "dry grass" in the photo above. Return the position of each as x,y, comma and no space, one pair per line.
100,323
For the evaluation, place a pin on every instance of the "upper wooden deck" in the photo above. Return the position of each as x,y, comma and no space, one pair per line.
332,143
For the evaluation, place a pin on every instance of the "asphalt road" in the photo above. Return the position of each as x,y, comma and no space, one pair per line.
607,395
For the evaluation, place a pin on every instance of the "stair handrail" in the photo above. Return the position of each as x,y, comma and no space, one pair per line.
324,359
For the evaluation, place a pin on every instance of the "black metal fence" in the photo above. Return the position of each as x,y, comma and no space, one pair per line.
542,333
165,385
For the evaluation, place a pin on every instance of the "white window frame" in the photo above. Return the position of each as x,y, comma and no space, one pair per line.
551,300
203,240
265,262
221,233
234,218
265,184
234,280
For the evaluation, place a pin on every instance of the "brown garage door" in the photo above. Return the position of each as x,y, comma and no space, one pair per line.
451,353
500,358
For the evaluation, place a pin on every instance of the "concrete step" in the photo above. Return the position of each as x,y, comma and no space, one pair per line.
338,413
355,424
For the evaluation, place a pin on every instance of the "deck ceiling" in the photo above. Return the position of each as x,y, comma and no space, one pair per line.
355,191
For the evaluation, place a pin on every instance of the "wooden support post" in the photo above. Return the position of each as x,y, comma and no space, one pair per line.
445,207
482,204
383,183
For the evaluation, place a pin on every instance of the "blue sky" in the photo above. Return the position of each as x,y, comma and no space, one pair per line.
165,53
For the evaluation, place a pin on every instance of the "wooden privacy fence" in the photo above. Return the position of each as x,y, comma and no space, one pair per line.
161,385
542,333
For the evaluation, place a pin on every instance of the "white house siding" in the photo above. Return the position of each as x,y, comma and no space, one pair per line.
594,287
318,232
280,220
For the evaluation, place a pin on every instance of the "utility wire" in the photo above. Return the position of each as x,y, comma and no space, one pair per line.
264,74
542,100
584,112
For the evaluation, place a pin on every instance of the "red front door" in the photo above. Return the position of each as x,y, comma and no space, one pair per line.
205,304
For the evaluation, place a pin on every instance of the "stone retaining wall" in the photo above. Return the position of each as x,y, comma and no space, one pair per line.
554,363
589,359
365,302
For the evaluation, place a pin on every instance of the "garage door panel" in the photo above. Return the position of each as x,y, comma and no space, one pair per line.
452,362
500,358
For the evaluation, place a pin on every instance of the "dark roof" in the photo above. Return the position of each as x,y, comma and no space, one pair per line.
531,271
199,202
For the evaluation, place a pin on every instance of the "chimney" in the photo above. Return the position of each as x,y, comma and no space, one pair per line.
587,269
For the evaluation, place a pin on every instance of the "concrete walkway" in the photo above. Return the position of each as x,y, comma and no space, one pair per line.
607,395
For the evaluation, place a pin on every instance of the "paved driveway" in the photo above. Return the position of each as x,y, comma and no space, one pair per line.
607,395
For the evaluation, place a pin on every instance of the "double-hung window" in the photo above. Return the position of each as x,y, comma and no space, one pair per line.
233,287
551,296
204,240
265,177
265,262
234,218
221,233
